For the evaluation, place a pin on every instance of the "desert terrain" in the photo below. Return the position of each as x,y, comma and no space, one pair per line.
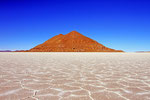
74,76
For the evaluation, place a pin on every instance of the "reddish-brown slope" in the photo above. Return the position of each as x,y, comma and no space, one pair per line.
71,42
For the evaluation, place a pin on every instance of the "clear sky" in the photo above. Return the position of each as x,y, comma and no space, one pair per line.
118,24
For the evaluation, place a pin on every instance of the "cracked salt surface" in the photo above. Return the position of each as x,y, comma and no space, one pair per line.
74,76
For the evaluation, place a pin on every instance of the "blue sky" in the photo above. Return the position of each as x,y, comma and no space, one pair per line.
118,24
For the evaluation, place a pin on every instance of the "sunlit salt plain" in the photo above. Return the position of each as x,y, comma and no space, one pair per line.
74,76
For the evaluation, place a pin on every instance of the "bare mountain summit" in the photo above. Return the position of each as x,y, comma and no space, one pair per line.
71,42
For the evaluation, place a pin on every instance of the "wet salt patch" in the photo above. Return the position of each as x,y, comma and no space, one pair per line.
10,92
48,97
142,93
29,98
58,89
92,88
106,95
48,91
64,93
46,94
145,88
77,98
145,77
127,91
37,86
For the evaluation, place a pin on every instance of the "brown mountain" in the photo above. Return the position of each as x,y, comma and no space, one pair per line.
71,42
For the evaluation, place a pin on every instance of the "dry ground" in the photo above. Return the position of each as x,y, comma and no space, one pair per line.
74,76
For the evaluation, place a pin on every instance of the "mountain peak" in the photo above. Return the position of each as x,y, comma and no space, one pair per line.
74,33
71,42
60,34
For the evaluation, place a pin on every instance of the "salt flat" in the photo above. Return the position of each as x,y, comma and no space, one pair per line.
74,76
